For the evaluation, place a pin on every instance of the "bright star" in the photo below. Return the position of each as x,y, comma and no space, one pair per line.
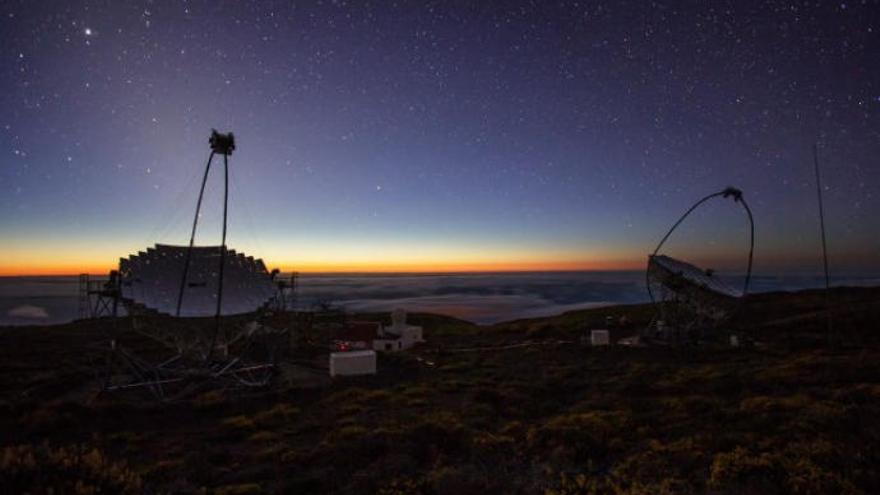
88,31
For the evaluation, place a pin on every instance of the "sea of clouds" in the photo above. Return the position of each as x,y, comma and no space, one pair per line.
481,298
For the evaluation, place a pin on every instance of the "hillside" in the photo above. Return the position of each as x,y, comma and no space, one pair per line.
475,411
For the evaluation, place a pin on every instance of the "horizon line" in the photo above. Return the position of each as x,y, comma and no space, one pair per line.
362,272
798,272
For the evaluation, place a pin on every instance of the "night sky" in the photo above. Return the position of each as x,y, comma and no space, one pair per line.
439,135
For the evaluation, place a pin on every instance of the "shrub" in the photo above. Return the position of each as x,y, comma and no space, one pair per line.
443,432
576,484
242,489
209,400
239,422
659,468
740,471
263,436
405,486
280,413
355,445
75,469
450,385
763,404
585,436
488,443
455,480
806,478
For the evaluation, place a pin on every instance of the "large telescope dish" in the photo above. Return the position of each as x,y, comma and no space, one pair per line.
691,301
678,274
183,299
152,279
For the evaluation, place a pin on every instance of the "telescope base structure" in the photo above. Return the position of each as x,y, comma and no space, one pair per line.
691,303
141,362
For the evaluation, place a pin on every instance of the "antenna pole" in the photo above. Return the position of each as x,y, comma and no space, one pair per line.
192,237
824,243
223,240
224,144
222,249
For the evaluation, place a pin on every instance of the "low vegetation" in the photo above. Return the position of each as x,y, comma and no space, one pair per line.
793,414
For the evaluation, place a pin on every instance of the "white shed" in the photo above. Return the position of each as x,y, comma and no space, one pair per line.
600,337
399,335
352,363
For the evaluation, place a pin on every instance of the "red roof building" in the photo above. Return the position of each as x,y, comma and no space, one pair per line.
359,334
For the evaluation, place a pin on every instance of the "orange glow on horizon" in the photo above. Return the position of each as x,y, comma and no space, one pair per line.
67,268
353,268
63,269
459,267
343,256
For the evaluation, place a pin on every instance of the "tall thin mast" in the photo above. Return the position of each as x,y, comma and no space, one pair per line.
223,144
192,237
824,243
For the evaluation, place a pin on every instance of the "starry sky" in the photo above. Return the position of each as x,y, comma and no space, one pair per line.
435,136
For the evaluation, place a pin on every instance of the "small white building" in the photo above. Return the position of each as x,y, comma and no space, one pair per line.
600,337
365,335
399,335
352,363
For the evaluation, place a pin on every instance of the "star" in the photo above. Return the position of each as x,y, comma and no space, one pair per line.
603,133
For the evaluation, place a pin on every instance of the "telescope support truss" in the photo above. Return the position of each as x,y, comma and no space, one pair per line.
688,293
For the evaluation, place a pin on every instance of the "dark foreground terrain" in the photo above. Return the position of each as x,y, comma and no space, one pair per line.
796,413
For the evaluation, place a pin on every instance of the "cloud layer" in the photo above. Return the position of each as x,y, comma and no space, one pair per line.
481,298
28,312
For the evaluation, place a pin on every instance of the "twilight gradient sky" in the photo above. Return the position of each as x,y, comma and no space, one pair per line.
439,135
